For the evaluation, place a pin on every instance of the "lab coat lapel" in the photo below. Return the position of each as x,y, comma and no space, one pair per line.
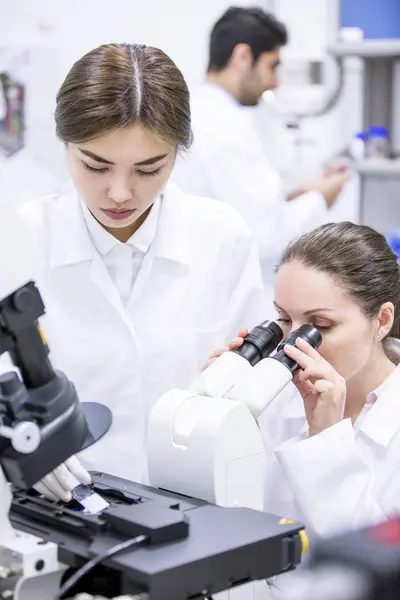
71,244
100,276
171,242
383,420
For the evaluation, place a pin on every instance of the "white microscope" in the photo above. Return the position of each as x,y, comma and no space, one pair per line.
205,442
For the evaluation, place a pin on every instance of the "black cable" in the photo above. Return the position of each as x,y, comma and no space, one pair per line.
73,580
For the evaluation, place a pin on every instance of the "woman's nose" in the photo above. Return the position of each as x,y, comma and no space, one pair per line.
120,192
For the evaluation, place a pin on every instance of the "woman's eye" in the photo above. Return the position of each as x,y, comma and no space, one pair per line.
97,170
323,327
284,321
149,173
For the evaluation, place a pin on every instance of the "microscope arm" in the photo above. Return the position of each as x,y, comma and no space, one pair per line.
231,376
211,428
206,447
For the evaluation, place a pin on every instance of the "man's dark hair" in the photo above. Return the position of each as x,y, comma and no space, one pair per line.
239,25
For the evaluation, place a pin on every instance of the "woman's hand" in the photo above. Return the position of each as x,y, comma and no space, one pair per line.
59,484
233,345
323,390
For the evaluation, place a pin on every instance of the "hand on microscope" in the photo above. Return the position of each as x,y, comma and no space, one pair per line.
322,389
233,345
59,484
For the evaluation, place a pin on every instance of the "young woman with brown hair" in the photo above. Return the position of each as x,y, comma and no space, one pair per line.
140,281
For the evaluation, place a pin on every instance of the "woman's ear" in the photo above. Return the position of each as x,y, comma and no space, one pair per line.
385,320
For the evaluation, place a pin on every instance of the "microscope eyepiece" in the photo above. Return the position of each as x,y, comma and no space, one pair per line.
260,342
306,332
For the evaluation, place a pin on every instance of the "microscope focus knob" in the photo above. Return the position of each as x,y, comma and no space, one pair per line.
10,383
23,299
24,436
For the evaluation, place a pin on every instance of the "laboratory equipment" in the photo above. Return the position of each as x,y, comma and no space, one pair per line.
358,145
378,142
357,565
379,176
211,429
187,549
162,543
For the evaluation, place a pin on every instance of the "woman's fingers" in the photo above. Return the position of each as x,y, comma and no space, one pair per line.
218,353
322,386
304,387
236,343
311,370
233,345
302,359
309,350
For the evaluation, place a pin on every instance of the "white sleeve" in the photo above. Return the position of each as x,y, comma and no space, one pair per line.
331,481
239,173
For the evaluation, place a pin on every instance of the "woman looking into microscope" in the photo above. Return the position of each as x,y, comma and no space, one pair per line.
334,446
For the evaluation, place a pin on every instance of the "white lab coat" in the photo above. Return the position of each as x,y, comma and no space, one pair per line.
200,281
341,479
227,161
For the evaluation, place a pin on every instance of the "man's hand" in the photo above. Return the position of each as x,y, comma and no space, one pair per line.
330,186
329,183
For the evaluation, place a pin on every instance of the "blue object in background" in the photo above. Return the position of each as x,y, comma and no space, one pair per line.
378,131
361,135
393,239
379,19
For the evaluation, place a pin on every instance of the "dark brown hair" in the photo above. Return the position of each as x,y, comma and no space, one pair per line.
250,25
358,258
117,85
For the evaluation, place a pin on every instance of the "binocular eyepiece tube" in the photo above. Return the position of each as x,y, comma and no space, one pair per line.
265,338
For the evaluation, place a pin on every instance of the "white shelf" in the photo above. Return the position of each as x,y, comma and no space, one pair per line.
379,166
366,49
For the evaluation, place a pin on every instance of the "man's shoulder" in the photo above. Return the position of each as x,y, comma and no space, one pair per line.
219,123
206,216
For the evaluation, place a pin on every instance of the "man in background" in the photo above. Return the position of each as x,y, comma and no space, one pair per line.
227,160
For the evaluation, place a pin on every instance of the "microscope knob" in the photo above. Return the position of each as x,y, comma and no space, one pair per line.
24,437
9,383
24,299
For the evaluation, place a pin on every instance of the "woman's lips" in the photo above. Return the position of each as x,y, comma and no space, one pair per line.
118,214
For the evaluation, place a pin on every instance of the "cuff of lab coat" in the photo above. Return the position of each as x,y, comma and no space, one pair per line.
325,473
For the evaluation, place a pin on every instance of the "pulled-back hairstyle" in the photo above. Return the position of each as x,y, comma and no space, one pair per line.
117,85
359,259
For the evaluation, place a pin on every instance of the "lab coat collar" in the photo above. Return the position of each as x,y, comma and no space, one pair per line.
217,90
71,242
383,419
172,241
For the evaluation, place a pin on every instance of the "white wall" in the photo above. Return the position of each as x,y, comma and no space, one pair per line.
313,25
